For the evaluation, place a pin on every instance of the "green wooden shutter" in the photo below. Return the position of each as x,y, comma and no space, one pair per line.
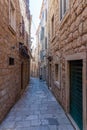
76,110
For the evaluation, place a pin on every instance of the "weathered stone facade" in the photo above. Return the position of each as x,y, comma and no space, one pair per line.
34,62
42,33
14,65
68,43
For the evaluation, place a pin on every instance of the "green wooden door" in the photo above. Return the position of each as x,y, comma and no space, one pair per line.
76,110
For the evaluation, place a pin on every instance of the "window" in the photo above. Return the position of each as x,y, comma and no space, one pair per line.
41,55
22,27
11,61
53,26
57,75
42,33
12,15
45,42
42,15
46,15
56,72
63,8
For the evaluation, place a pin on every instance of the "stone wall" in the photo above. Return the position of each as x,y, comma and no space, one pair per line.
10,75
70,38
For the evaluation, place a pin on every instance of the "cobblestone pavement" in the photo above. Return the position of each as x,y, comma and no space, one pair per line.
36,110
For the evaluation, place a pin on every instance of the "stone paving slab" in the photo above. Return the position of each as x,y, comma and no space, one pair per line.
36,110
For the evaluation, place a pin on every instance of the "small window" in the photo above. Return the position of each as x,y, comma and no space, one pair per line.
42,33
53,26
22,27
11,61
56,72
63,7
57,76
45,42
12,14
42,15
46,15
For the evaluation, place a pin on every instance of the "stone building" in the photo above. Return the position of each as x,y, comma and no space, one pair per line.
14,52
39,46
43,40
34,62
67,57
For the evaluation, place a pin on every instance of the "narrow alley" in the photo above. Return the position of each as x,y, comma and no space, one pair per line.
36,110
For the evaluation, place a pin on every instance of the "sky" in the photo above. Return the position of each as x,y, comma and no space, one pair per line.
35,6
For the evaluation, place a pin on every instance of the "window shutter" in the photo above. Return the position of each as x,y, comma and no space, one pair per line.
45,42
42,33
23,27
52,25
46,15
60,9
